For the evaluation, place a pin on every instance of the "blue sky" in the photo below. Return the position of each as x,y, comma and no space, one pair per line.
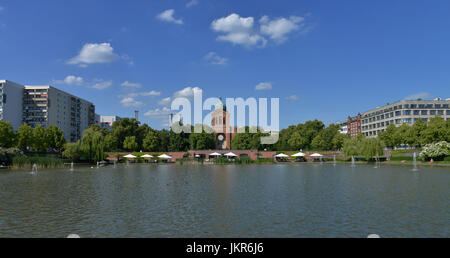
323,59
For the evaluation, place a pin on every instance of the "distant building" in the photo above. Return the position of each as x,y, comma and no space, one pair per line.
107,121
11,103
409,112
354,125
343,127
46,106
223,133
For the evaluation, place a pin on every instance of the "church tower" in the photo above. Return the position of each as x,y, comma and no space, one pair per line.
220,121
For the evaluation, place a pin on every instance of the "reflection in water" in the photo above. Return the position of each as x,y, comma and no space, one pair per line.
226,201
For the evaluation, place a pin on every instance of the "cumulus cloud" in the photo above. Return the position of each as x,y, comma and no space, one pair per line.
167,16
264,86
101,85
165,102
131,84
243,31
421,95
158,112
278,29
292,97
214,58
192,3
94,54
238,30
187,92
130,102
70,80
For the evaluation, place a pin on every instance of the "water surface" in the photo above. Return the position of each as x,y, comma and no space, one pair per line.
226,201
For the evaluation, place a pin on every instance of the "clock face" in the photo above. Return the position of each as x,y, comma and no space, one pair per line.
220,137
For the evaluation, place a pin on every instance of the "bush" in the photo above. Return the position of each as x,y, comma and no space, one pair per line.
435,151
41,162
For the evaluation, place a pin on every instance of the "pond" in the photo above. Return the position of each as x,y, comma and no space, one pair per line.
305,200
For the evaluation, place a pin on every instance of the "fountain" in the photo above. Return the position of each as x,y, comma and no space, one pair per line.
34,169
376,161
114,164
415,162
71,166
334,160
97,164
353,162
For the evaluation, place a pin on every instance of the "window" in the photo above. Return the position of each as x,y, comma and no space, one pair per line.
398,113
440,112
416,112
424,112
407,112
432,112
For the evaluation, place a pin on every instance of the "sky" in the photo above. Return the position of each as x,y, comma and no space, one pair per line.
324,60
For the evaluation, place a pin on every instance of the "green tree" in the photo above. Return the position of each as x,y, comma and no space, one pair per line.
124,128
436,131
24,137
93,145
7,135
151,142
54,138
352,146
371,147
130,143
338,140
201,141
324,139
39,142
111,142
388,136
71,151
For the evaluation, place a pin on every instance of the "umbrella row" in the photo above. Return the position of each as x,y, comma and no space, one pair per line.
131,156
300,154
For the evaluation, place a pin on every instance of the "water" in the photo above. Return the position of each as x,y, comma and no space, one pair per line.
415,162
334,160
353,162
303,200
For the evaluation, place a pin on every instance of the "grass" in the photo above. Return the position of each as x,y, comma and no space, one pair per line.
41,162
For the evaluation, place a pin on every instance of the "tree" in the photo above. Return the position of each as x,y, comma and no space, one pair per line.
130,143
93,145
417,130
39,142
24,137
54,138
388,136
324,139
151,142
7,135
437,130
124,128
71,151
371,147
111,142
338,140
201,141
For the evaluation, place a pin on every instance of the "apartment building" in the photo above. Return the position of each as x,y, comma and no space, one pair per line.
408,111
108,121
46,106
11,103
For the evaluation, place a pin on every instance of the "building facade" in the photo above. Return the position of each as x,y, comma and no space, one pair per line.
108,121
223,132
377,120
343,127
354,125
11,103
46,106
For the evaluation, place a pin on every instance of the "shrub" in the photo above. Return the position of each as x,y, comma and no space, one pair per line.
436,151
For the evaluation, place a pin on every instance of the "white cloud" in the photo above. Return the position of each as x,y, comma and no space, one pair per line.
215,59
192,3
167,16
278,29
131,102
94,53
264,86
292,97
101,85
131,84
150,93
158,112
186,92
70,80
421,95
238,30
165,102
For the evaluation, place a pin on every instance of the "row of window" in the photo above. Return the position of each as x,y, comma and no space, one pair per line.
409,106
406,113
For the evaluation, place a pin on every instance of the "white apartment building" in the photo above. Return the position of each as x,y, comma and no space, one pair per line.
408,111
11,103
107,121
46,106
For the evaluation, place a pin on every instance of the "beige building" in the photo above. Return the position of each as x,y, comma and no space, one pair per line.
46,106
408,111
